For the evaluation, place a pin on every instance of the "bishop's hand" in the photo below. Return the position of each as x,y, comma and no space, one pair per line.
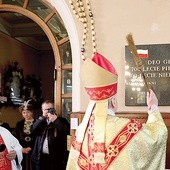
151,99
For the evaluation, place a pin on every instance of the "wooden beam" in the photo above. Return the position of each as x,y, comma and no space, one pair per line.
25,4
49,16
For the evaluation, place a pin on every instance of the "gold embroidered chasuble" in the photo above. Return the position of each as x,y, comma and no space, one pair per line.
145,151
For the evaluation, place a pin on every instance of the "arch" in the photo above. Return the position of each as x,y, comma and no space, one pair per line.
70,25
52,40
41,23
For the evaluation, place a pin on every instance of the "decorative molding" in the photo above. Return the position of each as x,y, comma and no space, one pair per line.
70,25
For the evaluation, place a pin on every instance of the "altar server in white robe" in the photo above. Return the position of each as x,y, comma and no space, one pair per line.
10,151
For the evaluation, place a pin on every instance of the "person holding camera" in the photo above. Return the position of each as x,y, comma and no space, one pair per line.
50,149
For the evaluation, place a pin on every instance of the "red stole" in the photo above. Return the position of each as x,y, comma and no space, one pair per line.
86,162
5,164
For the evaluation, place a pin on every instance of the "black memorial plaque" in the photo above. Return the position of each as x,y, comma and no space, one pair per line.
156,68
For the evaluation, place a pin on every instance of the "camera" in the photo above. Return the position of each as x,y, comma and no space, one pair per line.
51,111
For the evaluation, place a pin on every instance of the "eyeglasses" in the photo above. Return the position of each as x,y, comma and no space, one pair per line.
46,109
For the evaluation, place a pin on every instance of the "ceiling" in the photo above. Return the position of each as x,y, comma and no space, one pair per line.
26,30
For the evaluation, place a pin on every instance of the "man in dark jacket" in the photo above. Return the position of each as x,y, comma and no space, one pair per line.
50,149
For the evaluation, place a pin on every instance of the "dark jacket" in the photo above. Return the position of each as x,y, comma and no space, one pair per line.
57,139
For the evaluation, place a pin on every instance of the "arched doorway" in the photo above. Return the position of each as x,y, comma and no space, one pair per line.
60,46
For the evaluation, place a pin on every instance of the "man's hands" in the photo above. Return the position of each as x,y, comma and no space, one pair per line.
11,155
26,150
151,99
52,117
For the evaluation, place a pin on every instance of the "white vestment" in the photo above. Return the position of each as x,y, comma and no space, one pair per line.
12,143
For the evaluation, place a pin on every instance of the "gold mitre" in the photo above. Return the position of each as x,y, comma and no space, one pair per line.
99,77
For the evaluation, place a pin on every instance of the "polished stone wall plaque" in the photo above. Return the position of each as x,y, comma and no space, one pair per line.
156,68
